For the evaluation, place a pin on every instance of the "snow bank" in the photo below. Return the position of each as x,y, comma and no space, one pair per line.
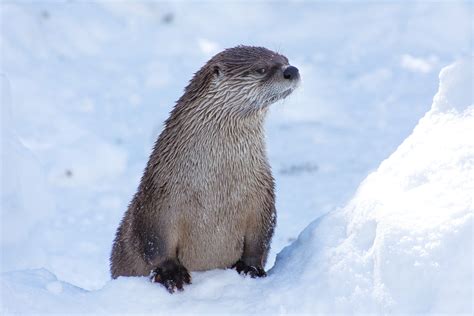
402,244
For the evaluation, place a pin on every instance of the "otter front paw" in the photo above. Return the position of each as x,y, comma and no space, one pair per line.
254,272
172,275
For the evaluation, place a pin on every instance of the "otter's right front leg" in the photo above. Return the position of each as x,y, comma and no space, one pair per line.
172,274
160,253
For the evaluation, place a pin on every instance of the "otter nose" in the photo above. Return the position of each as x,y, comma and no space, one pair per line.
291,73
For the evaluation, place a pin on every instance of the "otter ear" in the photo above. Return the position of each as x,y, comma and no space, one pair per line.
217,73
216,70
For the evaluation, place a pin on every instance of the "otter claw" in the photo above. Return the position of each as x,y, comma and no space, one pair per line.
244,269
172,276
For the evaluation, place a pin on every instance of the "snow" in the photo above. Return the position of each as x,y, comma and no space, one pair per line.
416,64
403,244
86,87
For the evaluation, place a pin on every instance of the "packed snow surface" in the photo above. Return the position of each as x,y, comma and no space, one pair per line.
86,87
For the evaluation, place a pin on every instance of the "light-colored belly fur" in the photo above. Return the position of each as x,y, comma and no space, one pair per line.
211,243
220,205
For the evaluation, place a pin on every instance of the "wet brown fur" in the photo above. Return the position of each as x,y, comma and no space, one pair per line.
206,199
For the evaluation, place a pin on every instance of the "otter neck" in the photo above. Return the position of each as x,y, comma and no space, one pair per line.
222,113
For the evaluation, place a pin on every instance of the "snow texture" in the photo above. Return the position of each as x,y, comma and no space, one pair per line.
86,87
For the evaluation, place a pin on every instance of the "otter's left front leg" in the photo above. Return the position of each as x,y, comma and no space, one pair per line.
257,245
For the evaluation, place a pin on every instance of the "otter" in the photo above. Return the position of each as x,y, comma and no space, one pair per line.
206,198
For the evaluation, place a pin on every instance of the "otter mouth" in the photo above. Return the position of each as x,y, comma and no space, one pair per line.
281,95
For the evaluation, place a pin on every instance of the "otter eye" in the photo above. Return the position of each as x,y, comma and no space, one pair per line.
262,70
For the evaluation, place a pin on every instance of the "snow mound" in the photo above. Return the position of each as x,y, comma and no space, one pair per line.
403,244
456,87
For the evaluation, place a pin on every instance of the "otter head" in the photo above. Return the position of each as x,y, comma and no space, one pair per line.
244,79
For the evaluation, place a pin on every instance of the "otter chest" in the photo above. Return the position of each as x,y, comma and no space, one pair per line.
224,200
